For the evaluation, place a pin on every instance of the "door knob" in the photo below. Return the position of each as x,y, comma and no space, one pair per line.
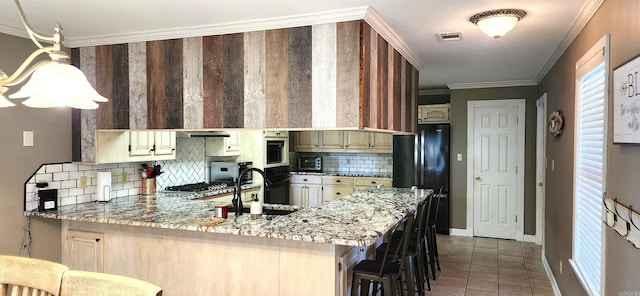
477,178
540,184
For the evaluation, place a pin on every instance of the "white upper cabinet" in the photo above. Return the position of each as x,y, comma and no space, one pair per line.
343,141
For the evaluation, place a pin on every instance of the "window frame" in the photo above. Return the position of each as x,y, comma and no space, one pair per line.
595,56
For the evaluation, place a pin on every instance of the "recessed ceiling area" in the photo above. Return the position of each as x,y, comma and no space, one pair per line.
521,57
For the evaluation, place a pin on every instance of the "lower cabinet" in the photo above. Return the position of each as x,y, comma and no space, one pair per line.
306,195
84,251
346,262
335,187
306,191
311,191
362,183
333,192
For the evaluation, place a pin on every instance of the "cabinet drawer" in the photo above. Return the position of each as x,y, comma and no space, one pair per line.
336,180
306,179
374,182
335,192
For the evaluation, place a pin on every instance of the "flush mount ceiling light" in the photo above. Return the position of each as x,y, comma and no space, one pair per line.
51,82
496,23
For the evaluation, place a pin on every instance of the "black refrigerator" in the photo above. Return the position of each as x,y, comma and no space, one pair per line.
423,160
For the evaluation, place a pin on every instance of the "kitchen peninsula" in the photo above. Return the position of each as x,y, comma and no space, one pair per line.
161,240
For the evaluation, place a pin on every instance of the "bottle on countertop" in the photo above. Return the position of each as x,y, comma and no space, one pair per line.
256,207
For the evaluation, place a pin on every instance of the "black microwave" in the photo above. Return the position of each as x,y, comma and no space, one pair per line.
276,151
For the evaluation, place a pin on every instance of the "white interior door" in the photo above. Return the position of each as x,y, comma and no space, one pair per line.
541,159
497,158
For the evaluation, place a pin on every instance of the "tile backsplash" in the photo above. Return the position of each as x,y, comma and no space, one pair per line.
353,163
65,177
188,167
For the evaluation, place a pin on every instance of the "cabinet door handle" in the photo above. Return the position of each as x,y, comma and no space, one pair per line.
337,193
97,239
305,180
373,182
338,181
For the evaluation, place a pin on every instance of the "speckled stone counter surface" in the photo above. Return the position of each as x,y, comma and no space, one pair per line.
356,174
358,219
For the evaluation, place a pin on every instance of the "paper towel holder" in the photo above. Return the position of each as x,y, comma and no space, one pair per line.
103,190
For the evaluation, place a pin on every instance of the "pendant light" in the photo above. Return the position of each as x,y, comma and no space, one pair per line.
49,83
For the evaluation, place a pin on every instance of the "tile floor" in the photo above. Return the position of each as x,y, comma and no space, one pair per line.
485,266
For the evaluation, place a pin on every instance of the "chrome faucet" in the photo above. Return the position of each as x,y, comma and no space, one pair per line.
237,199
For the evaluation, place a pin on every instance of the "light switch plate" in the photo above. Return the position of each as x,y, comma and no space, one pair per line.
27,138
459,156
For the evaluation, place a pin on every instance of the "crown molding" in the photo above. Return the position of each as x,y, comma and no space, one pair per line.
19,32
335,16
584,16
492,84
376,22
358,13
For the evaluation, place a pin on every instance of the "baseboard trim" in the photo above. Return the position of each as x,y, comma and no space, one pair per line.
529,238
460,232
552,279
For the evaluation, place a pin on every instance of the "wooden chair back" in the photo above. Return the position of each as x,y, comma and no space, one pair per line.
85,283
29,276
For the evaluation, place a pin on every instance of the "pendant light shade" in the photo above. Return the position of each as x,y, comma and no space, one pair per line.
497,23
49,83
4,102
56,84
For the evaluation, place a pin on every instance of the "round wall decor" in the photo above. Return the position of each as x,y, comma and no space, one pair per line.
555,123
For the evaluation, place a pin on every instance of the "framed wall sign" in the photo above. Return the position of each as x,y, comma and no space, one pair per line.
626,102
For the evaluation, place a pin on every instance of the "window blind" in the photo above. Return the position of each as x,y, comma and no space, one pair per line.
589,177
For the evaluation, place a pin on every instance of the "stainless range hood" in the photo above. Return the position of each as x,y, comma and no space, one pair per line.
202,134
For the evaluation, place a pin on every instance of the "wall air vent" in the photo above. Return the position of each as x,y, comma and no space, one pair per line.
451,36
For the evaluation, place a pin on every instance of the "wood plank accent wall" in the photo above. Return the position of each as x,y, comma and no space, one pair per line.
300,71
212,81
337,75
348,74
76,116
120,87
388,87
104,86
277,78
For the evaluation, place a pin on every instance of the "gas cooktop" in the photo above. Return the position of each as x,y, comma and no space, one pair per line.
199,187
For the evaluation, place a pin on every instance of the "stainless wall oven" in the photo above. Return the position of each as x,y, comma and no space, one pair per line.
278,192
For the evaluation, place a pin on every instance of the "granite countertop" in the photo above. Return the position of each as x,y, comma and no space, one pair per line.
223,191
358,219
355,174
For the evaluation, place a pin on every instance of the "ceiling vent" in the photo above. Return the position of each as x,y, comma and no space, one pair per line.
451,36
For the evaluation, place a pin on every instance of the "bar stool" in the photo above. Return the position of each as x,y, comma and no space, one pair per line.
430,232
384,270
415,259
